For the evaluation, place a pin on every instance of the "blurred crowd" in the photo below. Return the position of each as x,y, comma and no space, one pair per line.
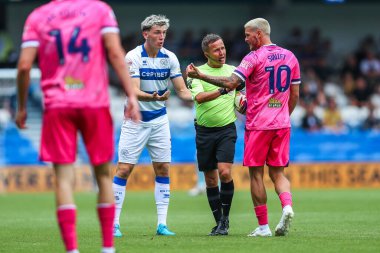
340,92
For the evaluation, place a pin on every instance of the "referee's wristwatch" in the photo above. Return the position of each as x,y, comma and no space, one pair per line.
222,91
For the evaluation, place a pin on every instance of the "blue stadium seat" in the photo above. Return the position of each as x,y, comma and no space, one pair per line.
17,149
355,146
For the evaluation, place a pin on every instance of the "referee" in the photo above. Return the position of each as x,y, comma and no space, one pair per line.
215,132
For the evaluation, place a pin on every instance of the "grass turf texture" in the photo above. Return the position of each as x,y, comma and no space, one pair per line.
325,221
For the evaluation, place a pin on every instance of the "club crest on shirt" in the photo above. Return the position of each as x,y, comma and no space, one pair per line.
164,62
124,153
274,103
129,65
73,84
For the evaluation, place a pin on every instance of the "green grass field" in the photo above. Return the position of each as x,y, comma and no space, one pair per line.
325,221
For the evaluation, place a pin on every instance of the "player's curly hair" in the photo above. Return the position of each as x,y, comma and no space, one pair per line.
160,20
208,39
259,23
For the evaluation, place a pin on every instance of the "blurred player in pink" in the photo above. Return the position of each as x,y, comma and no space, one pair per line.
272,77
72,39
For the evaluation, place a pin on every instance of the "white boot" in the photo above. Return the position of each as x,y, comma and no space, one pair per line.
283,226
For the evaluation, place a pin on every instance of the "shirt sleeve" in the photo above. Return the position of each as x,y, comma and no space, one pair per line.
133,64
196,88
246,67
109,22
296,73
175,70
30,37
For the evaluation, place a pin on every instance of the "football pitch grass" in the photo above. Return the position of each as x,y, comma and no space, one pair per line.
325,221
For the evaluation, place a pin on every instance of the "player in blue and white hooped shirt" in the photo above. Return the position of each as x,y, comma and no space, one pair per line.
151,67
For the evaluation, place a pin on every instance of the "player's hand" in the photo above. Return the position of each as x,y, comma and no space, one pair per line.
192,71
163,97
21,116
132,110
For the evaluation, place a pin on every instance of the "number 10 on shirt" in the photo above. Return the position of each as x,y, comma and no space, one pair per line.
279,72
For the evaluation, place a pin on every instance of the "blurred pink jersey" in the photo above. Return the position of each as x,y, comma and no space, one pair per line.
71,53
268,73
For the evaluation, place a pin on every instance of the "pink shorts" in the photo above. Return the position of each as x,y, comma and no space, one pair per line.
269,147
59,134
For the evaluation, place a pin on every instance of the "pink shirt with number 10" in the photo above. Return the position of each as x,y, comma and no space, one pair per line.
268,73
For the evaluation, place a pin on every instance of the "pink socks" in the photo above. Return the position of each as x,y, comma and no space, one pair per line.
262,211
66,215
106,213
286,199
262,214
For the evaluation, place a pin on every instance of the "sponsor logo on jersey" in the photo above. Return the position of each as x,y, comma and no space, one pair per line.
274,103
73,84
154,74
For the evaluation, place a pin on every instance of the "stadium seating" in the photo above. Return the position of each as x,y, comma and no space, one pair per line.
16,149
21,147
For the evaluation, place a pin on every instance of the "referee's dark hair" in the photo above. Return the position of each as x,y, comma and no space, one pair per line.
208,39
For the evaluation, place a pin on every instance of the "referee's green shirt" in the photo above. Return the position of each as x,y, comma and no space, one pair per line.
220,111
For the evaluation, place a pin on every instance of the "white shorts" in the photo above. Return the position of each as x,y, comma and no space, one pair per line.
154,136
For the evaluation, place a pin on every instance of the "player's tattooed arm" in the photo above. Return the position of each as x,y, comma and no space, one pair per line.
230,82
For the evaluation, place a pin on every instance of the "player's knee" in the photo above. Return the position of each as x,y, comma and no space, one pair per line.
162,169
162,173
123,170
225,175
211,181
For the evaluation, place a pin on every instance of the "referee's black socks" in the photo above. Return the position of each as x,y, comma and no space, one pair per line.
226,195
213,197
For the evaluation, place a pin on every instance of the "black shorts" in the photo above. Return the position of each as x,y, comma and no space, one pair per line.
215,145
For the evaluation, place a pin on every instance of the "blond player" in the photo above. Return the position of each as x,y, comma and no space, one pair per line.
152,69
272,77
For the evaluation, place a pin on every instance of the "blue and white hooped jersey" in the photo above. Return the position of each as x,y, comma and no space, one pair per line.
154,74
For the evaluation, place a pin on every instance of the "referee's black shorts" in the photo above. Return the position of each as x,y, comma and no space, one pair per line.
215,145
